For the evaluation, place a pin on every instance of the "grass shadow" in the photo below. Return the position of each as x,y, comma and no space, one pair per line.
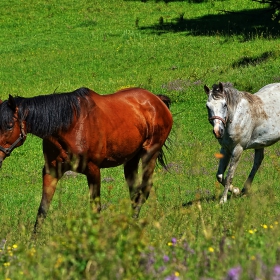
210,198
247,23
245,61
168,1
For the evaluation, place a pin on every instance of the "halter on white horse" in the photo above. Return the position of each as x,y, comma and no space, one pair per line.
242,121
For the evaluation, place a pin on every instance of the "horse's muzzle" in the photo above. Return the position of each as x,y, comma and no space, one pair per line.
219,130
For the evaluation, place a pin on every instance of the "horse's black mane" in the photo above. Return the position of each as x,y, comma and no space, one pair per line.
44,114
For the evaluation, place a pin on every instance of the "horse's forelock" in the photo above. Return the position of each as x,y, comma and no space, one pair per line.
6,115
216,92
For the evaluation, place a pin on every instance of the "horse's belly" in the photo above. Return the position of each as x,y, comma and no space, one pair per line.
264,137
113,161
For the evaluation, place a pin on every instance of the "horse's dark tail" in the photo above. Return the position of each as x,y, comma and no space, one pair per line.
161,157
165,99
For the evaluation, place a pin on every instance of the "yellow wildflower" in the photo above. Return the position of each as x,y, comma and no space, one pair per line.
6,264
32,251
177,274
58,261
251,231
211,249
264,226
15,246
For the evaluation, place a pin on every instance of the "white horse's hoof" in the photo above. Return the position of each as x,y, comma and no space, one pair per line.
223,200
235,190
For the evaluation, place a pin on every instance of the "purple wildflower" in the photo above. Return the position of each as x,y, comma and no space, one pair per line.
165,258
234,273
174,240
172,277
161,269
276,272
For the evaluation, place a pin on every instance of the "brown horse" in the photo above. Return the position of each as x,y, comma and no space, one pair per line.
83,131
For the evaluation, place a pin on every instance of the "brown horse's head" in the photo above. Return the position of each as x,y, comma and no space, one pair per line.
12,129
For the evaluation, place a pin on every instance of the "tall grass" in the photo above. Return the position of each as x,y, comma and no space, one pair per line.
171,48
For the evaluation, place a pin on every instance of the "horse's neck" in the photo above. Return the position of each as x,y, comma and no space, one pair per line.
240,114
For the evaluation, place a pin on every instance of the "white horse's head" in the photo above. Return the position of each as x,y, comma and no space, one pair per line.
217,109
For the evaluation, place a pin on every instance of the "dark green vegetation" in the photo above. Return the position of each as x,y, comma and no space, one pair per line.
172,49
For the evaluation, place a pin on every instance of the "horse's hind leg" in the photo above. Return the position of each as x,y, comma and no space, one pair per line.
131,176
148,166
259,155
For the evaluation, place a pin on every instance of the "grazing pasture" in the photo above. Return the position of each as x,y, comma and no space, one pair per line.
171,48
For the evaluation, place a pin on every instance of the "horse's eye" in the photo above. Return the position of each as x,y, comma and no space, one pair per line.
10,126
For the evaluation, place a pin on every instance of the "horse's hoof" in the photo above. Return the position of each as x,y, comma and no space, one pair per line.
236,191
244,192
223,200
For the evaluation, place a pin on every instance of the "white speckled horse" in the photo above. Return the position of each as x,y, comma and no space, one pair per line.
242,121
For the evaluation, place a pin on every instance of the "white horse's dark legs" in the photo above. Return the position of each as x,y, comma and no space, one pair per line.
222,168
223,165
236,155
259,155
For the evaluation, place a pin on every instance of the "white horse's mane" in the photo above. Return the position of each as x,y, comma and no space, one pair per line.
233,98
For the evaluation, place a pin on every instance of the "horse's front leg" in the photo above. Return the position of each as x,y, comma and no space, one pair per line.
50,180
259,155
223,164
93,178
235,157
225,157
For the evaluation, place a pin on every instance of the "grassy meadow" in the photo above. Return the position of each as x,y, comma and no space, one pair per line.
170,48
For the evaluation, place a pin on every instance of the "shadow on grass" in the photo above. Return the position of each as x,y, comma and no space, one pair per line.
212,198
168,1
247,23
246,60
203,199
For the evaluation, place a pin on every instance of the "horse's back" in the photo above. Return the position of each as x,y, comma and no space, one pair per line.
270,97
135,102
270,88
267,129
123,123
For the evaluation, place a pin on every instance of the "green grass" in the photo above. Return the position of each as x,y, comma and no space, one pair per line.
173,49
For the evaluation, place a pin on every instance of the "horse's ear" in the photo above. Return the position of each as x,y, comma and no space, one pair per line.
221,87
206,89
12,103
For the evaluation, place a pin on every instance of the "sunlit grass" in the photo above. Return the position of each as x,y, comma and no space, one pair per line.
182,232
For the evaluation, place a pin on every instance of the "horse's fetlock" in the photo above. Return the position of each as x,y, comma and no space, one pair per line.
219,177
